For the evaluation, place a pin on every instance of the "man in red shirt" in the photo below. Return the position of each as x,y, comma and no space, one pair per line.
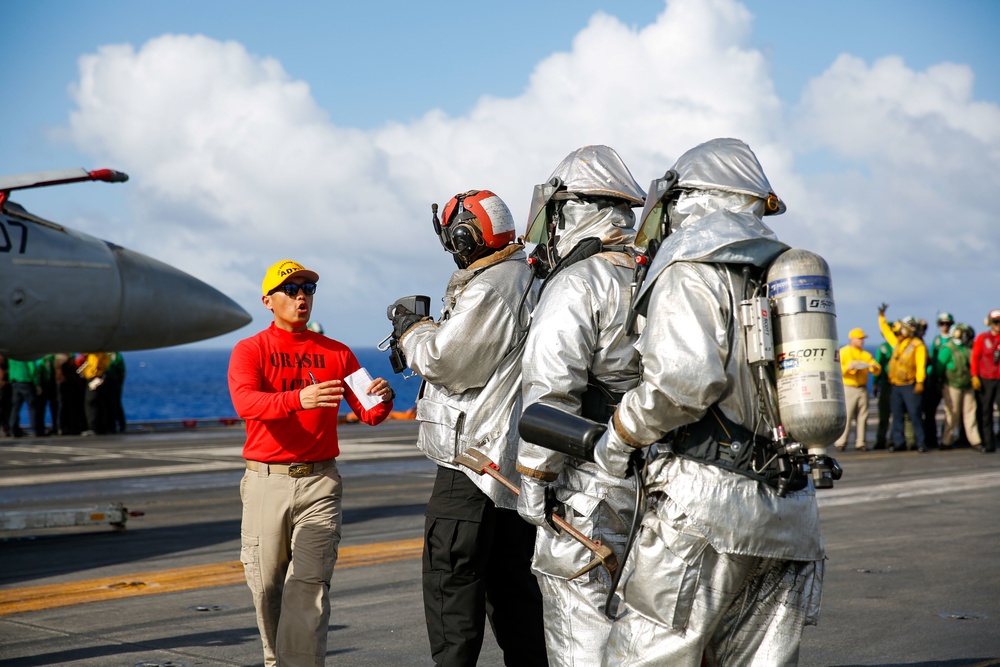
287,383
985,367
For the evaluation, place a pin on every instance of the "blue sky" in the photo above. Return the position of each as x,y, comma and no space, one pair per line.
322,131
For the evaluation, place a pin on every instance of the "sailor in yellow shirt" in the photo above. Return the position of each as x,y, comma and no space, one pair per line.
855,364
907,371
95,404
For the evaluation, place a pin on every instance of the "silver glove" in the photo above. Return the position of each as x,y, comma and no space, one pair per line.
612,454
533,504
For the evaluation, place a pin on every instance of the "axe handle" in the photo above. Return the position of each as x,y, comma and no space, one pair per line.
495,474
556,519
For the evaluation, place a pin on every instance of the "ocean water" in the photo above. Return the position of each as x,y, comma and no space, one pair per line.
180,383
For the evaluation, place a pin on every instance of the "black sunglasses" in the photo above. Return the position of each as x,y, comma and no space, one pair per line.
291,289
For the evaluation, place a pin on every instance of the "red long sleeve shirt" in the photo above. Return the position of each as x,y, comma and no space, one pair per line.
982,364
266,373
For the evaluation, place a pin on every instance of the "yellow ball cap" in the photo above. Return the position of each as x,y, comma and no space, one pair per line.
857,333
282,271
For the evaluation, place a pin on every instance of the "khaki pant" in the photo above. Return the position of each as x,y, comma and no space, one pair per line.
856,399
960,407
290,535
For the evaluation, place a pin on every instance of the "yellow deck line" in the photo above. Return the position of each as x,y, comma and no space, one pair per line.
51,596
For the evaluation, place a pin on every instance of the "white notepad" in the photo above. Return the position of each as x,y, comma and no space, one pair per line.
359,381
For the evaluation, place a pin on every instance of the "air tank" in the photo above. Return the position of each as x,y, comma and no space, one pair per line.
808,378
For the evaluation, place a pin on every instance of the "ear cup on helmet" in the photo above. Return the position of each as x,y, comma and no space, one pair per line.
465,239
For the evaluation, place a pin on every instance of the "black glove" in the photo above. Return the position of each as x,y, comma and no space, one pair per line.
882,308
402,319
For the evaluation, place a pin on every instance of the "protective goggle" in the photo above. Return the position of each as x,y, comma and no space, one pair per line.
292,289
653,221
538,214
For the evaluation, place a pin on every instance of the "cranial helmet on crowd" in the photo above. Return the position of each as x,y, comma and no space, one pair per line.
992,318
718,175
961,332
591,193
475,224
908,326
945,319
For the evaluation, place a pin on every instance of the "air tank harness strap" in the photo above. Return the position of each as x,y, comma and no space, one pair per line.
587,247
717,440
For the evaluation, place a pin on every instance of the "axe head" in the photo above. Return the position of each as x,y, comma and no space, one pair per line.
474,460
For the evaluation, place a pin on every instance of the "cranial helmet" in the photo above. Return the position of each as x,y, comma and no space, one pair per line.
945,318
475,224
962,332
593,180
908,326
721,167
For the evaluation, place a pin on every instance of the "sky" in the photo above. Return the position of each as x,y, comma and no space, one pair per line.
323,131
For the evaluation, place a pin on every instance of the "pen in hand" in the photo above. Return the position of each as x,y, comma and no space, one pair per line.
321,394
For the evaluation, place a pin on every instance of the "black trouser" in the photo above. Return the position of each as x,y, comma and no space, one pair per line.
96,407
931,398
884,413
71,398
5,403
116,412
905,401
990,394
477,564
47,399
22,393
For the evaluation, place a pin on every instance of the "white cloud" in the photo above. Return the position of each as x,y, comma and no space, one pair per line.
234,165
911,221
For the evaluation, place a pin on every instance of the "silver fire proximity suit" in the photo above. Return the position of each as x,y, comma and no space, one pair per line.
579,349
723,566
477,550
471,364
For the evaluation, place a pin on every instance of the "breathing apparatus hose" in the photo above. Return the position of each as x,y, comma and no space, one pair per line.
520,303
637,467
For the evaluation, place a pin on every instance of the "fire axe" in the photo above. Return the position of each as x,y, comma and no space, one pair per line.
481,464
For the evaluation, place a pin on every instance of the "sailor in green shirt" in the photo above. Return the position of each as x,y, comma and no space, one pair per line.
953,357
935,383
23,378
883,391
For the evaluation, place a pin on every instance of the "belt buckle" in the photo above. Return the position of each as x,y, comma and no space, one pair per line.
299,469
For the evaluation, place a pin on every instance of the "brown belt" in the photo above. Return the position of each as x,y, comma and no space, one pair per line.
291,469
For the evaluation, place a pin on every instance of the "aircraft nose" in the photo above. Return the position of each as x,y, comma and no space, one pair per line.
162,306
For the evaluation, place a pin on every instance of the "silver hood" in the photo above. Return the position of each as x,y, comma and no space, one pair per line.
591,171
598,171
613,224
717,217
728,165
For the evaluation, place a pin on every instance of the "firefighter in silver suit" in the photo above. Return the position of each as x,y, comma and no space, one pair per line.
724,567
579,356
477,551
